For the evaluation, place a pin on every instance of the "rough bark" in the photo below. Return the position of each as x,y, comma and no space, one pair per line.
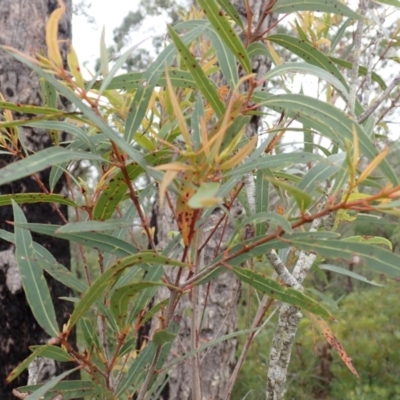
217,301
22,26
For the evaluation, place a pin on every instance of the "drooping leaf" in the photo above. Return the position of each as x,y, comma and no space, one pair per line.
69,389
21,198
274,289
327,6
54,353
376,258
99,241
41,160
34,284
347,272
38,394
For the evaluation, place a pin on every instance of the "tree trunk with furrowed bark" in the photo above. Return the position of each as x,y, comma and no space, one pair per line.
22,26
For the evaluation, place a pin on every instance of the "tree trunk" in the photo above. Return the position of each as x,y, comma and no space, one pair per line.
22,26
218,300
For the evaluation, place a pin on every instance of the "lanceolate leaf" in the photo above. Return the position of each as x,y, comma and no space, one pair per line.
34,284
111,275
376,258
38,394
41,160
92,226
226,60
226,32
361,70
98,241
327,6
275,290
227,6
53,352
203,83
328,115
347,272
262,200
5,200
308,53
69,389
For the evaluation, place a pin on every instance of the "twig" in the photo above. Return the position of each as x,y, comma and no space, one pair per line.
356,56
381,98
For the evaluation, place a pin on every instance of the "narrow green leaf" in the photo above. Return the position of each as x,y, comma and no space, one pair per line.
99,241
274,161
203,83
49,94
226,32
89,333
20,198
121,297
330,116
150,78
111,275
394,3
29,109
69,389
262,200
227,6
197,114
34,284
41,160
340,33
275,290
37,395
361,70
226,59
54,353
327,6
308,53
347,272
372,240
25,364
307,68
117,65
376,258
92,226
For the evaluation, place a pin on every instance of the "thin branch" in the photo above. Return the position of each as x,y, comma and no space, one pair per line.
381,98
356,56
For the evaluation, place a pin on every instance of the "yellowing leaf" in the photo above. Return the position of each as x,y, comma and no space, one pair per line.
168,177
334,342
240,155
274,54
178,113
73,65
373,165
53,50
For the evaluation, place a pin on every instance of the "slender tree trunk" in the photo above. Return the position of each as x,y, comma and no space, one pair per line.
22,26
216,303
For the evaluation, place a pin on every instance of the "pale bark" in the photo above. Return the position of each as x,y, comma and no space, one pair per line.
215,302
22,26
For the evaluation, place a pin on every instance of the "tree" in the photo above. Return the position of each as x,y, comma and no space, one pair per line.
22,25
183,123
